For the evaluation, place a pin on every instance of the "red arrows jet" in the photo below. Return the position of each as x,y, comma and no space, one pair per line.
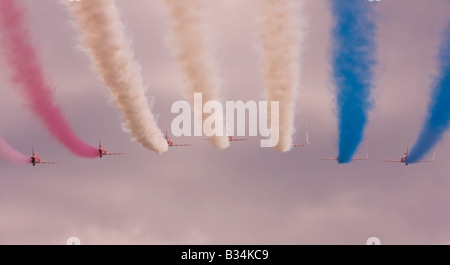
35,159
172,144
353,159
102,152
404,159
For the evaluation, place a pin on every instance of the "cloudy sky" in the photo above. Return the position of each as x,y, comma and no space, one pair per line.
244,194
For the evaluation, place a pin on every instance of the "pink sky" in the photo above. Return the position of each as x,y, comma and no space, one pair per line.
244,194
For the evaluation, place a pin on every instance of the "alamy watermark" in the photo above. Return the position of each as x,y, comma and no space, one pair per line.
208,119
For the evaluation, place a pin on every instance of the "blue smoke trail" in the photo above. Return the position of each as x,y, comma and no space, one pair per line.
353,51
438,117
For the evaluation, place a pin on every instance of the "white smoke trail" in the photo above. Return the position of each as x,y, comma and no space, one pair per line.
103,37
281,34
194,54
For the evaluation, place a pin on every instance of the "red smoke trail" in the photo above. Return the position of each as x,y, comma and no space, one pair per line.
27,74
9,154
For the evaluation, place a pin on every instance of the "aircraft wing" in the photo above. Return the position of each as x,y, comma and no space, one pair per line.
113,154
232,139
399,161
330,158
181,145
47,162
427,161
360,159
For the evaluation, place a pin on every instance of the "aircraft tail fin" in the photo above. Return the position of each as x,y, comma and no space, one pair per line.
307,138
307,134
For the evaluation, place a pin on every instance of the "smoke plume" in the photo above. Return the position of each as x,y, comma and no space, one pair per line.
438,117
353,60
103,37
194,54
27,73
281,33
9,154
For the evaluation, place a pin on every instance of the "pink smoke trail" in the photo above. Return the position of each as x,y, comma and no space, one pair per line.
9,154
27,74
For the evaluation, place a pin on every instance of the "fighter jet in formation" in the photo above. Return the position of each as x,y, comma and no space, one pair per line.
172,144
404,159
102,152
353,159
35,159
